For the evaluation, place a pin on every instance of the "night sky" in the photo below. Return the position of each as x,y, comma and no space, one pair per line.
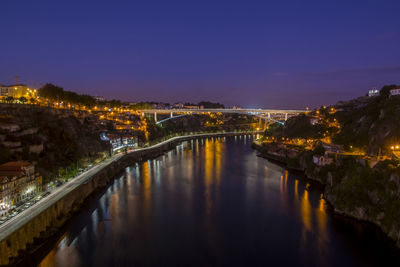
271,54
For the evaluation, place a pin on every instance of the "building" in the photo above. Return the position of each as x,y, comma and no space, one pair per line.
373,92
395,91
130,141
18,182
191,107
313,120
177,106
118,142
99,98
17,91
115,141
322,160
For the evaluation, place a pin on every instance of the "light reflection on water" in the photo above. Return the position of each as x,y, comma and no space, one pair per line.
211,202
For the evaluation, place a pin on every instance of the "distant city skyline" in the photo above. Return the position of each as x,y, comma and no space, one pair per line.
265,54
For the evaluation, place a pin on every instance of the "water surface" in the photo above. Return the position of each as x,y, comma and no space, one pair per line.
214,202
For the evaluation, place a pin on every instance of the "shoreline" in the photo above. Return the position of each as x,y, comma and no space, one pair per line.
44,221
328,198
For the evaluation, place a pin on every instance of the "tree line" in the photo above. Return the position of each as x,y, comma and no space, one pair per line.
56,93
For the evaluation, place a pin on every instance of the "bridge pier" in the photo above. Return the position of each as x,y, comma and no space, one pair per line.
285,116
155,116
172,115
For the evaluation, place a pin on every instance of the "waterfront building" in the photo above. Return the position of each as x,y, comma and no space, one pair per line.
115,141
130,141
18,182
118,141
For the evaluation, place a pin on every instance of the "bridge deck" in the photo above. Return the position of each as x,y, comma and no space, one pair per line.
216,110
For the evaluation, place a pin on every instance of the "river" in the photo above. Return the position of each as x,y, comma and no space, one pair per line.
213,202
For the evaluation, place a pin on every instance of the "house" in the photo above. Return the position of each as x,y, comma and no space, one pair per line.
18,182
130,141
313,120
395,91
373,92
115,141
332,147
99,98
178,106
322,160
10,127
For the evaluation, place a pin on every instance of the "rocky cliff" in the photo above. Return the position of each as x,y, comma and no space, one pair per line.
354,186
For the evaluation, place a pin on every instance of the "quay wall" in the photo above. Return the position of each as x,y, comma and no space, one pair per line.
49,222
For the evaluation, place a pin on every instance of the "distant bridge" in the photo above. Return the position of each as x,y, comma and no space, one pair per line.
274,115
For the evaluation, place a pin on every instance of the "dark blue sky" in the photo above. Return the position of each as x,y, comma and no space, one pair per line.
271,54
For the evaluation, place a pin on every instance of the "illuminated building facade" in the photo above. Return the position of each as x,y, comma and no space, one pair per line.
18,181
17,91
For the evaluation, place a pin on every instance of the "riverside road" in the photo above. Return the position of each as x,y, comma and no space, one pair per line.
13,224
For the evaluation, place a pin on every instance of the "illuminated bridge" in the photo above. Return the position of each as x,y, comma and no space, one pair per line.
273,115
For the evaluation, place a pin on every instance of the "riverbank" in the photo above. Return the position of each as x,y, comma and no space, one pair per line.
354,187
29,229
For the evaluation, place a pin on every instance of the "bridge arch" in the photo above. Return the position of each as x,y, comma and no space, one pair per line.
267,114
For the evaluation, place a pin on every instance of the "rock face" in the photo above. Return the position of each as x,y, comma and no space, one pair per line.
352,187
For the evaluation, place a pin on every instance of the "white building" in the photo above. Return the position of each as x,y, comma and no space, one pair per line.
373,92
99,98
395,91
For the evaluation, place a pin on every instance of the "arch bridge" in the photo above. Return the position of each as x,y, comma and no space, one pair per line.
271,115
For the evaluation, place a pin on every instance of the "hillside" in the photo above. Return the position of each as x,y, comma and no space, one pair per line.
369,124
52,138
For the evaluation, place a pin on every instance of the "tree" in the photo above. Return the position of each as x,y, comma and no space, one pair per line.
87,100
208,104
5,155
9,99
141,105
319,149
385,91
23,100
56,93
51,91
71,97
32,100
301,127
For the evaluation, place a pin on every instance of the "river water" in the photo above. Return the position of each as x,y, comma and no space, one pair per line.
213,202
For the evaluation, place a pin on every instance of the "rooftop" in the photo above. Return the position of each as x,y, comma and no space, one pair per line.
13,168
12,85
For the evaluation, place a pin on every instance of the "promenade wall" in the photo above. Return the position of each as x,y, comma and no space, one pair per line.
49,222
